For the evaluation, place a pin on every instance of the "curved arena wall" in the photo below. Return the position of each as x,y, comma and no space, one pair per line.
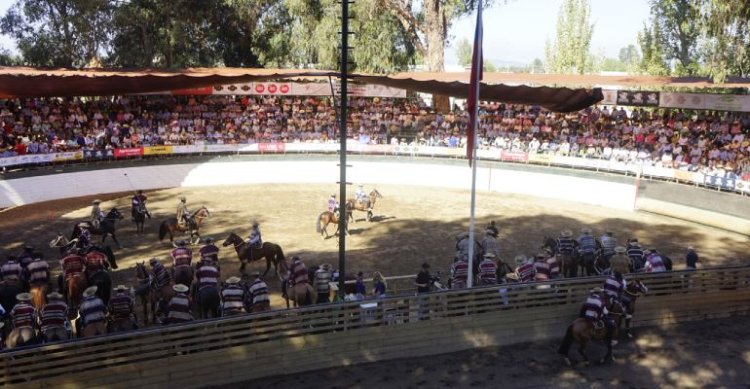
710,207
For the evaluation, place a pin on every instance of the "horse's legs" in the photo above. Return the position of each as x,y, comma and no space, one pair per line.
582,351
268,266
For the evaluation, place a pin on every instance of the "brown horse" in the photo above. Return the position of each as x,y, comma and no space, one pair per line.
582,331
38,295
94,329
270,251
183,275
75,284
326,218
352,204
171,225
635,289
301,294
122,325
148,293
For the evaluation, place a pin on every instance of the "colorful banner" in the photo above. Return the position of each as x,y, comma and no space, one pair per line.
728,182
126,153
157,150
513,156
304,89
202,91
67,156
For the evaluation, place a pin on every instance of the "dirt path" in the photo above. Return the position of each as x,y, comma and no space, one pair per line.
712,353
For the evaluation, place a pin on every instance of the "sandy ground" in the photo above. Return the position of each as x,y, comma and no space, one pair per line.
712,353
412,225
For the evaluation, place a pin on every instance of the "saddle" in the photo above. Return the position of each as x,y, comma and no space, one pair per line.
598,325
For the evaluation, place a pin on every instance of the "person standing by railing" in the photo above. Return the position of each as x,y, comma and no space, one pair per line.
322,283
423,281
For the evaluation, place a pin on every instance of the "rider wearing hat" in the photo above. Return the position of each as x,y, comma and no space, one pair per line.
232,297
636,255
322,283
54,314
254,240
182,213
72,265
96,213
96,261
37,272
207,274
181,255
180,309
297,272
362,197
620,263
209,250
12,269
92,309
489,243
258,291
541,268
608,244
333,204
161,275
138,201
23,313
488,270
594,310
566,247
121,305
524,269
26,256
459,273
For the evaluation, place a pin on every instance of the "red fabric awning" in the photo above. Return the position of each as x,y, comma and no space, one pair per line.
30,82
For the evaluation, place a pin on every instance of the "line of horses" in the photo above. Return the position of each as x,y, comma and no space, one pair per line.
328,217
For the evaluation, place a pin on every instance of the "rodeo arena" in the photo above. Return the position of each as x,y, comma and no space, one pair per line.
217,227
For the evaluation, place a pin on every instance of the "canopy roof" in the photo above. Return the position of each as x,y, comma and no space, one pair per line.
30,82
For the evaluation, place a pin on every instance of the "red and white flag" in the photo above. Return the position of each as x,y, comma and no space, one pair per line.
476,79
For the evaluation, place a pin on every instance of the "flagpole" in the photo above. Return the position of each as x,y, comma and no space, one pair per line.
475,82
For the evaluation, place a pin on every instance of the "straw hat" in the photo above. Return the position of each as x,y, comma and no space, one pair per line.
23,297
121,288
180,288
96,201
90,291
620,250
489,255
54,295
566,233
255,273
512,276
586,231
233,280
597,290
520,259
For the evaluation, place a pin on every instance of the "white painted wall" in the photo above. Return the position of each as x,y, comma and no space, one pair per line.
52,187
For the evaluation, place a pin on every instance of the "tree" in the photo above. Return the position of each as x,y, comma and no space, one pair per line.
60,33
537,66
651,42
569,53
727,37
464,52
679,23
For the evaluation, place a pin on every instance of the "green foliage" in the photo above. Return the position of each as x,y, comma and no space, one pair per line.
464,52
569,53
651,42
680,27
727,38
537,66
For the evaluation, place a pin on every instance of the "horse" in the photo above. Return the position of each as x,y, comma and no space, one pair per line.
20,337
74,286
209,302
38,294
634,289
148,293
326,218
352,205
302,294
94,329
103,281
183,275
139,217
121,325
106,227
171,225
601,266
582,331
270,251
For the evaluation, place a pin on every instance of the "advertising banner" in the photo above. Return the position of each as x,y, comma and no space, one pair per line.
728,182
271,147
638,98
126,153
610,97
540,158
157,150
513,156
67,156
187,149
222,148
737,103
202,91
98,154
8,161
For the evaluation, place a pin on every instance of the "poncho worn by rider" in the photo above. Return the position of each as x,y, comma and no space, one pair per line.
139,201
183,214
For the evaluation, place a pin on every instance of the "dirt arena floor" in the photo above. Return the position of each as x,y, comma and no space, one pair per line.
411,225
709,354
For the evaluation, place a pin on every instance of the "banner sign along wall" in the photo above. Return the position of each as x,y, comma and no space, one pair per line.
638,98
157,150
98,154
125,153
304,89
736,103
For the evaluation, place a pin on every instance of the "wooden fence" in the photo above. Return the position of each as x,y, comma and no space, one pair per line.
251,346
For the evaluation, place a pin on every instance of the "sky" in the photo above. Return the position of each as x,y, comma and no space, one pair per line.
515,30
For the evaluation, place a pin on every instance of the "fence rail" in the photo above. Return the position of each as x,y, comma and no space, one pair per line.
251,346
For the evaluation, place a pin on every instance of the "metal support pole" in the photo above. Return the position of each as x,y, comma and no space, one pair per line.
342,154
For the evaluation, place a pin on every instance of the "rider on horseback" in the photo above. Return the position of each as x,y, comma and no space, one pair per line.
489,243
258,291
92,309
138,201
297,272
26,256
232,297
594,310
541,268
11,271
121,306
524,270
459,273
161,275
636,255
183,214
207,274
97,215
23,314
37,272
210,250
180,309
254,240
181,256
362,197
72,264
54,314
620,263
333,205
96,261
608,244
586,243
488,270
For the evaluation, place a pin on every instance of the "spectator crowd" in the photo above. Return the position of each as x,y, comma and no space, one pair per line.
686,140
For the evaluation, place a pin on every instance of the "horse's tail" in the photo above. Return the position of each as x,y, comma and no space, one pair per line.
163,229
567,340
318,227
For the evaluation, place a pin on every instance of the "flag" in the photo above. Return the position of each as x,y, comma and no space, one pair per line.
476,78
